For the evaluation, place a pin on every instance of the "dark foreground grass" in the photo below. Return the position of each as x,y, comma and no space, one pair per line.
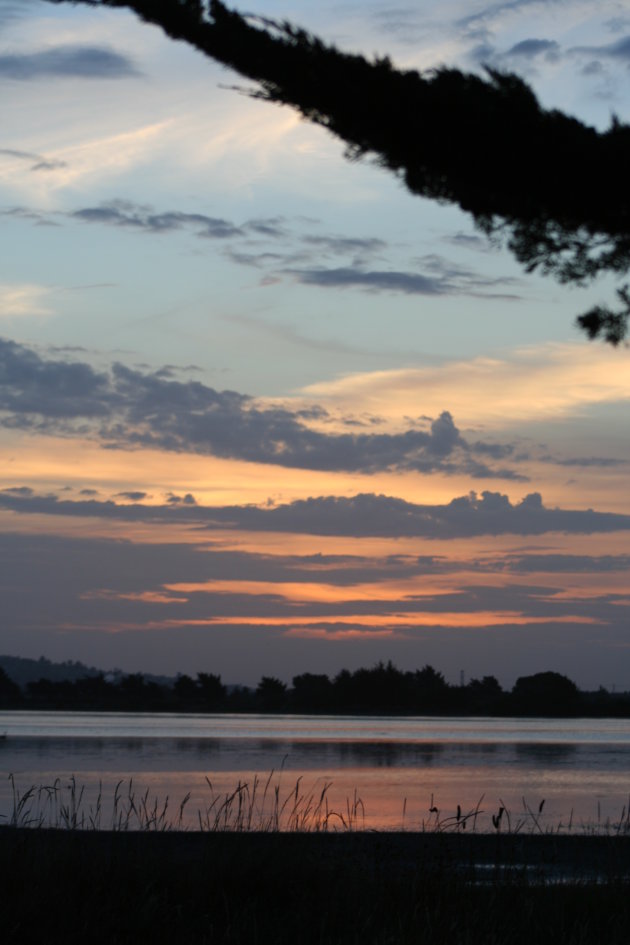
273,888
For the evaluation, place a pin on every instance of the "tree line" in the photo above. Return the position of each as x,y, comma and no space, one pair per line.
382,689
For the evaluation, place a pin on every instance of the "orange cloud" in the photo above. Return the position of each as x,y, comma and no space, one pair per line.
391,625
309,593
144,597
544,381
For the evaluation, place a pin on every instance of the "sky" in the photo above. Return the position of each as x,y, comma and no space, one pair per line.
262,411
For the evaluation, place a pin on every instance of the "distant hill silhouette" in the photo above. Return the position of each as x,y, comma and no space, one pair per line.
23,670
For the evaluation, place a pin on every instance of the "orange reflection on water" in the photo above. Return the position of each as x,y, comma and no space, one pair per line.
360,798
401,798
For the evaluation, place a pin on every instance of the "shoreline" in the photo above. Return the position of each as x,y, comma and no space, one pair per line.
575,857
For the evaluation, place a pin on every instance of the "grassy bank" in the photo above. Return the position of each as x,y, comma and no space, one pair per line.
111,887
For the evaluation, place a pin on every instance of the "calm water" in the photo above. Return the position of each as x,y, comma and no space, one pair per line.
580,767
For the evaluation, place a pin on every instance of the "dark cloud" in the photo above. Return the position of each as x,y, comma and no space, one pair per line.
617,24
31,386
593,68
38,163
599,461
345,244
19,490
522,56
33,216
132,496
126,408
273,227
299,255
533,48
617,50
262,260
495,450
388,281
187,499
83,62
440,280
124,214
11,10
471,241
364,515
566,563
462,279
487,514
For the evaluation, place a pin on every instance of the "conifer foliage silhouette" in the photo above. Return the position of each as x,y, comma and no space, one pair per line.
555,190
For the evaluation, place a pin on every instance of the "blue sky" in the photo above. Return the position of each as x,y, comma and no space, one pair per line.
217,332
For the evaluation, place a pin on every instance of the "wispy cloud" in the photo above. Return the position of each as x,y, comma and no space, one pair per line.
37,161
11,10
87,154
124,214
601,462
438,277
283,249
19,300
534,383
489,16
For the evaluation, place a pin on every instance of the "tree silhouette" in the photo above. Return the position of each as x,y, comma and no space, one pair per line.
553,188
271,694
10,692
312,692
547,693
212,690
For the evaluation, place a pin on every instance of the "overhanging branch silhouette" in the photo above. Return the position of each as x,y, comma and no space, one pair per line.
555,190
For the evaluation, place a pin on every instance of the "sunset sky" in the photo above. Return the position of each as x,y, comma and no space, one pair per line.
264,412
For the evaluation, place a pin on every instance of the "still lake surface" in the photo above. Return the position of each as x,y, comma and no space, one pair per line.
398,767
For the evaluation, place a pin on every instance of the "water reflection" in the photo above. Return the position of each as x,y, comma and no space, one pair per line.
265,754
225,754
388,754
544,754
331,728
389,762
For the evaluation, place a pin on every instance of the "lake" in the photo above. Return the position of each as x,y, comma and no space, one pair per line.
375,772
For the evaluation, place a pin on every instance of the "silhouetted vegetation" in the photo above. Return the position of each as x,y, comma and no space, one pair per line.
553,188
10,694
382,689
294,889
